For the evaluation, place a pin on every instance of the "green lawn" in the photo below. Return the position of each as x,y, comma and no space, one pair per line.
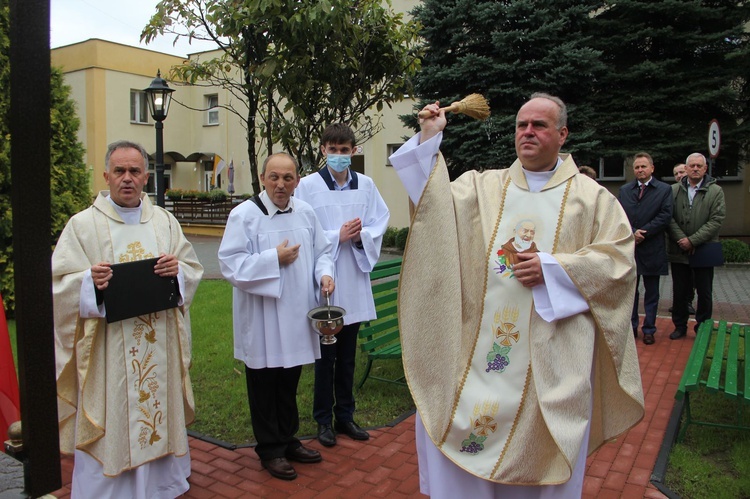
712,462
219,380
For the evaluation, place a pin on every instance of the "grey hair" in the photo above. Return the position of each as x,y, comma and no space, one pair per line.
125,144
265,162
562,117
687,160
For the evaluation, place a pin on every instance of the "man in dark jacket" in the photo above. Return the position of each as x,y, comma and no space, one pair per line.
648,205
699,211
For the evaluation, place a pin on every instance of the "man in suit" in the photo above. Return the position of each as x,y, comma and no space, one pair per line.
699,211
648,205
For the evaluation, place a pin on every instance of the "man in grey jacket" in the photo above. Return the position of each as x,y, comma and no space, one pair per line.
699,210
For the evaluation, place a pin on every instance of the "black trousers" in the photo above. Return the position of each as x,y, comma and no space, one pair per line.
683,278
272,394
334,378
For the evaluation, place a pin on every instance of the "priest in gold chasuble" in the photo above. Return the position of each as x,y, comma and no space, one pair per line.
124,392
520,362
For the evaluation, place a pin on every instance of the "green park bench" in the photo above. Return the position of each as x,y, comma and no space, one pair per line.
379,338
717,363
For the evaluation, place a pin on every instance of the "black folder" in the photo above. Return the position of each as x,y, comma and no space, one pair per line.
135,290
707,255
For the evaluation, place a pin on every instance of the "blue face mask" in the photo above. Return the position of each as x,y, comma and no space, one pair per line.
338,162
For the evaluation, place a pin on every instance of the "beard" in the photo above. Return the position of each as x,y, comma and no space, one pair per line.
522,245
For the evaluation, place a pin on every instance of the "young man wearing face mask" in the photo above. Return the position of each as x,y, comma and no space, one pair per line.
354,217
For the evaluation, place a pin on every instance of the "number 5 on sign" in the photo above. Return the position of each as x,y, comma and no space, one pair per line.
714,138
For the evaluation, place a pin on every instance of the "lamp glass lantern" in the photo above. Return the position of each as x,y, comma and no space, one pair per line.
159,97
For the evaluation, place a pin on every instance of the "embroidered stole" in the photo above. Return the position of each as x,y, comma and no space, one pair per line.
494,384
145,354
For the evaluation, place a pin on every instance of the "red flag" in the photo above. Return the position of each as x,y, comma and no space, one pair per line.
9,400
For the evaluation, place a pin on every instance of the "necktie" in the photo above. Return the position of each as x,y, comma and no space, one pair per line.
643,188
284,212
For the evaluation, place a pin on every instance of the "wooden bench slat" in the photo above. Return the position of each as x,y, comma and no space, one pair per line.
381,327
730,383
714,374
380,338
386,269
697,355
385,286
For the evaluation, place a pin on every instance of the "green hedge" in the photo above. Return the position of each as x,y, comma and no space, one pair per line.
735,251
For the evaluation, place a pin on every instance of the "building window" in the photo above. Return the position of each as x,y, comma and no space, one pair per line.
611,168
138,107
390,149
212,104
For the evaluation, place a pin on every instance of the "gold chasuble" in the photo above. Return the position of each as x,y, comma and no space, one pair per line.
504,394
124,392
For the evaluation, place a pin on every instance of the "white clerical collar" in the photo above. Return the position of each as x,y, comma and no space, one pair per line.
130,216
272,208
537,180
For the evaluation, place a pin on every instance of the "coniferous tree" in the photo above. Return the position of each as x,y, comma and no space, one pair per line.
68,176
506,50
673,65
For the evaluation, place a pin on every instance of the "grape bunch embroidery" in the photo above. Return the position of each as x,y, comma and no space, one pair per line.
504,328
483,425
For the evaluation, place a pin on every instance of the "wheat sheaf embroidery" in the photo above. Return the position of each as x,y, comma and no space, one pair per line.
506,334
146,382
483,425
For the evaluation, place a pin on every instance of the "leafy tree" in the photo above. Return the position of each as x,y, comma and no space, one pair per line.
673,65
69,179
294,67
506,50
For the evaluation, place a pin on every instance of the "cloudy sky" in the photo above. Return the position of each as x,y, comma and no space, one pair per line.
118,21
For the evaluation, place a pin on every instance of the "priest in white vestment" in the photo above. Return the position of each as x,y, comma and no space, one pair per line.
276,255
354,217
124,392
518,370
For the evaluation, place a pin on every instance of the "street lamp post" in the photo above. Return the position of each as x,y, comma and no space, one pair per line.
159,96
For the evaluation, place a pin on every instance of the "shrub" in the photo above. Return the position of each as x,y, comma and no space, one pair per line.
389,238
174,194
401,238
202,196
735,251
218,195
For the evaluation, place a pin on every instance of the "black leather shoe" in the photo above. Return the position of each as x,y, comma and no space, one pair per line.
279,467
304,455
326,437
677,334
352,429
691,310
648,339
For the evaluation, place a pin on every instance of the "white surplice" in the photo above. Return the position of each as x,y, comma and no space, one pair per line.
271,328
353,265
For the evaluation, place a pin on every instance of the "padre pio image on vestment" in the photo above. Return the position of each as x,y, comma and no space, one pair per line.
521,242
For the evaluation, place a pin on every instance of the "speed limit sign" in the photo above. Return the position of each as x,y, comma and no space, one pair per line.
714,138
